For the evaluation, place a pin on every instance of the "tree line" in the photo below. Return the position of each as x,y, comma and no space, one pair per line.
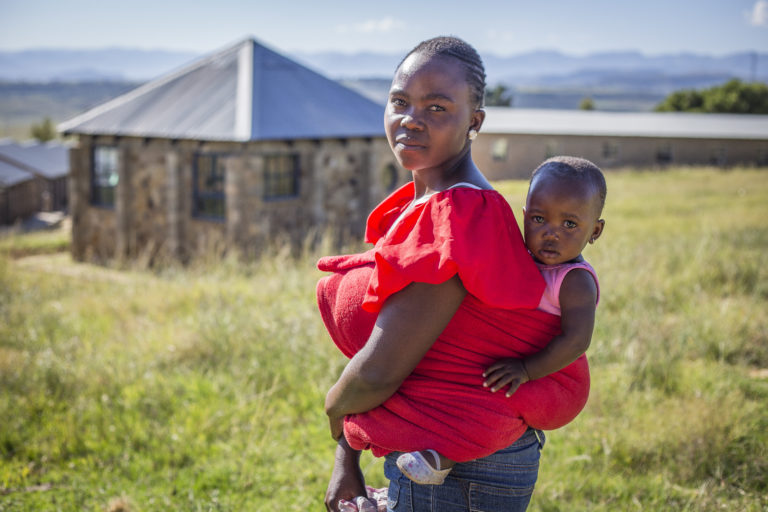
733,97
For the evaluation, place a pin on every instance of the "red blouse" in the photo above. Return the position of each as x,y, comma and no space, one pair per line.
442,404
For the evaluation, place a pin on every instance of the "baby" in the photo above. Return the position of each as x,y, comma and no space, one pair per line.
561,216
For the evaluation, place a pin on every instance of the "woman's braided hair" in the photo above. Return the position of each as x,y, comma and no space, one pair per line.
449,46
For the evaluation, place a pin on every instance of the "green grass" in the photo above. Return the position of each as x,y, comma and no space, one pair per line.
202,388
14,243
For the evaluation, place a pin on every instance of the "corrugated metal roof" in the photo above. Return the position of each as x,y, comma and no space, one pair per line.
49,160
500,120
244,92
11,175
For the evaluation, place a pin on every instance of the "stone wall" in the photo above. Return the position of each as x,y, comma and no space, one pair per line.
53,196
339,183
19,201
93,228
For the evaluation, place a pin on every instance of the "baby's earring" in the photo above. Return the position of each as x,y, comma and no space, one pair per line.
472,134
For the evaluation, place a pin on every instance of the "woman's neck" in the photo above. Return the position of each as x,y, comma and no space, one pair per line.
437,179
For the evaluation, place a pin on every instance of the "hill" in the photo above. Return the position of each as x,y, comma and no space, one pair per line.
536,68
107,64
624,81
25,103
541,68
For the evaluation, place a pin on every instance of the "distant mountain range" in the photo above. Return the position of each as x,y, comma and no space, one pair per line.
59,83
549,79
106,64
551,68
539,69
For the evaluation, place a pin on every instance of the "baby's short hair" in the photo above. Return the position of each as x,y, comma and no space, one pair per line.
574,168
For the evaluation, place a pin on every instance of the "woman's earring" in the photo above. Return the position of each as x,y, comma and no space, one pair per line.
472,134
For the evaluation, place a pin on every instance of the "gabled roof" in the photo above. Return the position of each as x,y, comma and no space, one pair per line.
11,175
244,92
49,160
501,120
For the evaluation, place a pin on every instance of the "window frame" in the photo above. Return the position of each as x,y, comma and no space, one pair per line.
611,150
551,148
97,192
664,154
274,178
389,176
199,195
718,155
500,149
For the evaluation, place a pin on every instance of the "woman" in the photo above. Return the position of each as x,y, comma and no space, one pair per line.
447,269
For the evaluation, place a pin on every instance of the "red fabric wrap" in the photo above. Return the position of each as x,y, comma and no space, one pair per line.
442,404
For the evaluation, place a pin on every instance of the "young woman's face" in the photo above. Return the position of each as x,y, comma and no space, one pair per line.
561,217
429,112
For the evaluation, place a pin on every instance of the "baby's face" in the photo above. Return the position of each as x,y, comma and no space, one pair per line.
561,217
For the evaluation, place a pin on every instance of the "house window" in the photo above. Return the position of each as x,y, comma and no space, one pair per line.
389,177
208,201
499,150
551,149
664,154
104,176
281,176
610,150
718,156
762,156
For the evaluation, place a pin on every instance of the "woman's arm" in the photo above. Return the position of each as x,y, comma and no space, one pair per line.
408,324
578,296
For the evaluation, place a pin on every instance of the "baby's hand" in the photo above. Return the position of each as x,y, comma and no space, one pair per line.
504,372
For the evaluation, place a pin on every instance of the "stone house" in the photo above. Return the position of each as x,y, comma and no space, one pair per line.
33,178
513,142
18,193
237,149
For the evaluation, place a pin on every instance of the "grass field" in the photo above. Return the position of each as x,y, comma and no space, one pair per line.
201,389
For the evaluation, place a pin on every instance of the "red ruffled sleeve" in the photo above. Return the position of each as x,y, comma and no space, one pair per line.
464,231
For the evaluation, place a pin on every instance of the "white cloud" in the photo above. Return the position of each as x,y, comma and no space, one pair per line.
382,26
759,14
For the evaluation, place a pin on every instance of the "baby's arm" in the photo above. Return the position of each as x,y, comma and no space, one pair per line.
578,297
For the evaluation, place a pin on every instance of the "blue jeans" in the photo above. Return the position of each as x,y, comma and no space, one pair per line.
502,481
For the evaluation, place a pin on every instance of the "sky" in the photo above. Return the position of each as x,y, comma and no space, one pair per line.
502,27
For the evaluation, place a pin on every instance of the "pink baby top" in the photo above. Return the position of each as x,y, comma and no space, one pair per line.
553,276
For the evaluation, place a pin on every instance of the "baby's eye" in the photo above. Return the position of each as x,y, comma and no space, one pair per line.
538,219
436,108
569,224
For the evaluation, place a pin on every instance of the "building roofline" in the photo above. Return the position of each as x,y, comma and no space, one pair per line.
502,120
33,166
150,86
236,94
17,175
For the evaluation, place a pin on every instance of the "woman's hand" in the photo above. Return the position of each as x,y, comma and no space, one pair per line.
347,480
504,372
